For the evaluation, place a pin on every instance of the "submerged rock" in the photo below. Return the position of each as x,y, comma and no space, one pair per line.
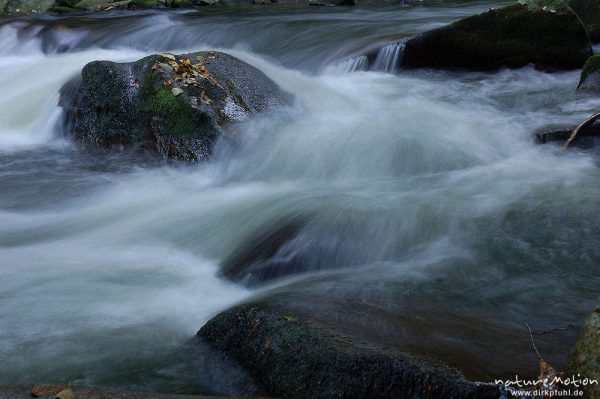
264,257
294,359
512,36
590,74
175,106
584,359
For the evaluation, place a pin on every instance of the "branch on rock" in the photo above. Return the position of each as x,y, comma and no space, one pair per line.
583,124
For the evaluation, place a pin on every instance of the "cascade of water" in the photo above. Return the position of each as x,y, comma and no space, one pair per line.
355,64
388,57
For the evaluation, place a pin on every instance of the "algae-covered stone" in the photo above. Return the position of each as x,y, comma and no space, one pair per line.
292,359
584,359
590,74
175,106
512,36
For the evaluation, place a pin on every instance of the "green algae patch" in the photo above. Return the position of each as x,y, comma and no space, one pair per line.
292,358
592,65
584,359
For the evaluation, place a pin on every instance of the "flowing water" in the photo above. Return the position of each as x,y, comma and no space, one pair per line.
435,224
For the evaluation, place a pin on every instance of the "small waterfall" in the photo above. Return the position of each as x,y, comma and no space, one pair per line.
355,64
388,58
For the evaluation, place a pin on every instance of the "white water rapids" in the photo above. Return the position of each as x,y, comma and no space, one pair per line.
425,193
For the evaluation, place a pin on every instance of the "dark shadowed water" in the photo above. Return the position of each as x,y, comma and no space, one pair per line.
432,222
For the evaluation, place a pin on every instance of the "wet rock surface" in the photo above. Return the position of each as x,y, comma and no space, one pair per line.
512,36
590,75
295,359
588,137
174,106
584,359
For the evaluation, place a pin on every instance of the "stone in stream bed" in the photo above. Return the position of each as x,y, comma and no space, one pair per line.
588,137
174,106
584,359
590,75
512,36
263,256
294,359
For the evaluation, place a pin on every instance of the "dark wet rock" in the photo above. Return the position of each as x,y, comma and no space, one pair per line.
584,359
590,74
294,359
141,105
512,36
588,137
265,255
589,13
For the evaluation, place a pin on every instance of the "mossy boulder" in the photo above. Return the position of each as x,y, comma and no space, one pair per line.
512,36
590,74
175,106
294,359
584,359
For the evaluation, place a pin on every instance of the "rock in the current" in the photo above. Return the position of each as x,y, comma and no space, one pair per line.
588,137
590,74
584,359
294,359
512,36
172,105
265,255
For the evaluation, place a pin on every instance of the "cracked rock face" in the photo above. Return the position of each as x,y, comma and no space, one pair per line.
175,106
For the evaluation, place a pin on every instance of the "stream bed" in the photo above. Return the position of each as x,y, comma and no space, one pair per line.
434,224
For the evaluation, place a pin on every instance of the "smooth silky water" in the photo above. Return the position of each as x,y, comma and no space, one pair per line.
435,224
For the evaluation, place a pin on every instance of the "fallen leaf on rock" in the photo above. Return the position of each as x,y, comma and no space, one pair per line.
204,98
176,91
165,67
169,56
268,343
290,318
213,54
168,82
66,394
45,389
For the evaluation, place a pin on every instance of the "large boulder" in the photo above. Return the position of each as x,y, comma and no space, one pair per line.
294,359
584,359
175,106
512,36
590,74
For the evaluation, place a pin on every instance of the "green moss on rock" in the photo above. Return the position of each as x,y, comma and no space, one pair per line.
131,105
584,359
512,36
590,74
292,359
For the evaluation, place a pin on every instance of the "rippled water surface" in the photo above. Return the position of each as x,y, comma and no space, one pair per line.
432,222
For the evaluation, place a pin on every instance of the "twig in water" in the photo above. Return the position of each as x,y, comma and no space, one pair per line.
533,341
583,124
569,327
